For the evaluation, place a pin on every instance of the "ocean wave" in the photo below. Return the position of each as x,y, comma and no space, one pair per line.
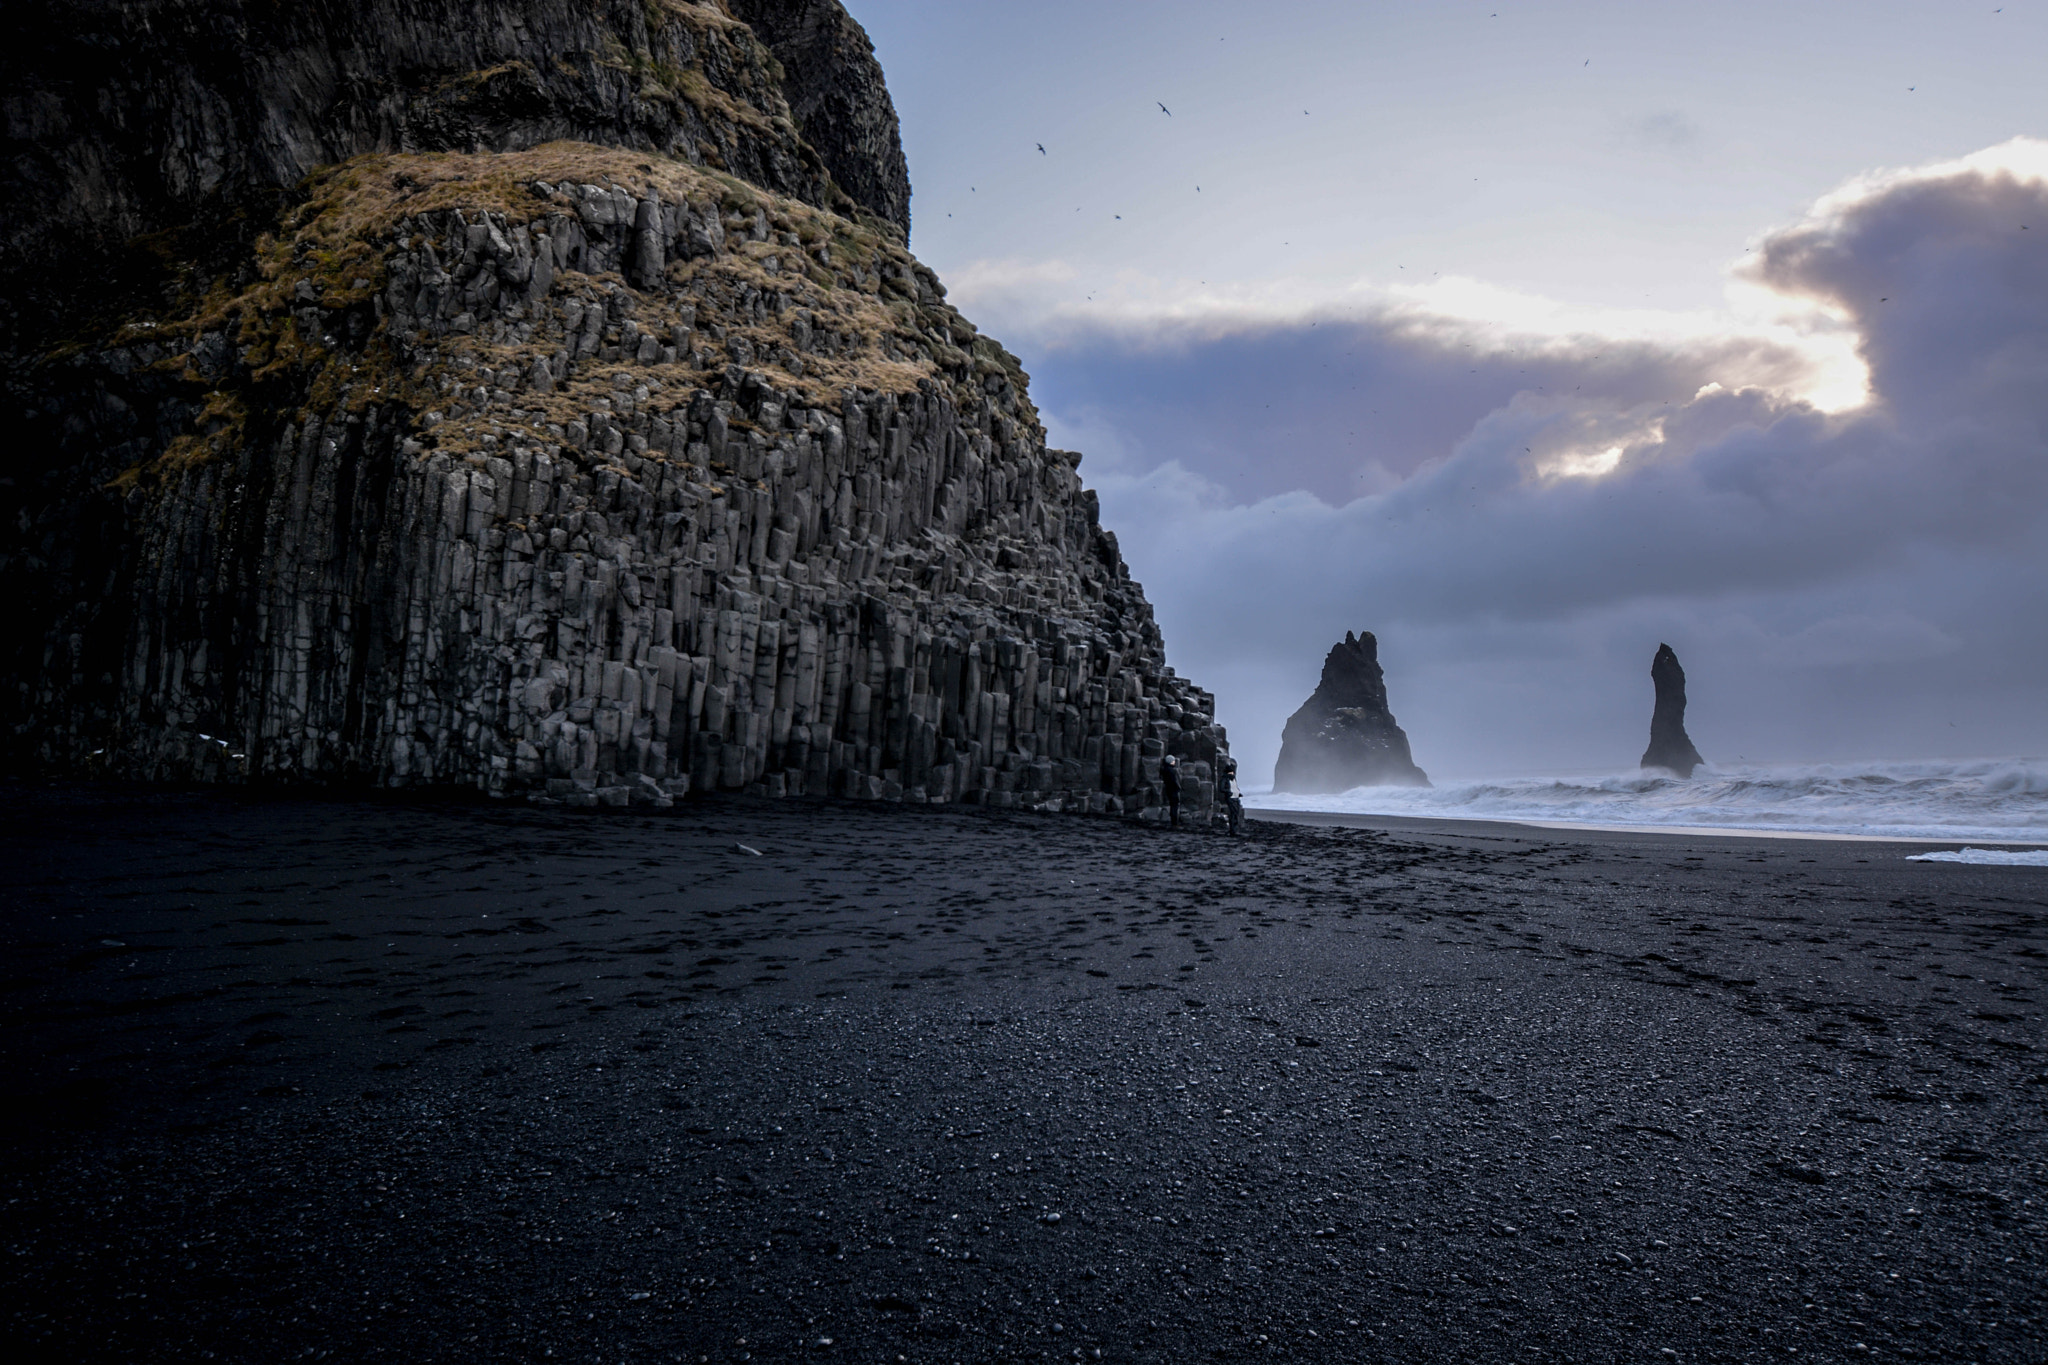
1995,800
1986,857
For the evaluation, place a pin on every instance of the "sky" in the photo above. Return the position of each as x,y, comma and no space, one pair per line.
1529,337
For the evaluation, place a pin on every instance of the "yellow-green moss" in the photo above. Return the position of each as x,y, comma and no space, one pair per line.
340,236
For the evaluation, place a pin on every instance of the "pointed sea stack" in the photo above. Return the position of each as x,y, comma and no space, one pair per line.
1344,736
1670,747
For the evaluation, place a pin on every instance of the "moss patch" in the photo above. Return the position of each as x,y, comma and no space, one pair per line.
883,325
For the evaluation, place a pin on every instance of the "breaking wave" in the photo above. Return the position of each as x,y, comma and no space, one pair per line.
1996,800
1986,857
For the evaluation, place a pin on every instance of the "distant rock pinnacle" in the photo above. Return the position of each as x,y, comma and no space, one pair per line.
1344,736
1670,747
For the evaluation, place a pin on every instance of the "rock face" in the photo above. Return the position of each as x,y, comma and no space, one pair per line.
1344,736
588,469
131,118
1670,747
835,91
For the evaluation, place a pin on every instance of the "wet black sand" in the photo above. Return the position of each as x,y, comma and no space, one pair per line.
317,1080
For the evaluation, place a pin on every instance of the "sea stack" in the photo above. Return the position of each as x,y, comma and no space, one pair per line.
1670,747
1344,736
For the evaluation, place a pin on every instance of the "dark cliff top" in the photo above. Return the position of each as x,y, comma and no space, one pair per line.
140,134
835,91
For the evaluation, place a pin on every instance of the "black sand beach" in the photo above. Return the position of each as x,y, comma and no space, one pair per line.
380,1081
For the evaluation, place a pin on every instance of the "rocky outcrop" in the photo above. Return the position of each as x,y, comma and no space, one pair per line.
834,87
140,134
1670,747
1344,736
582,472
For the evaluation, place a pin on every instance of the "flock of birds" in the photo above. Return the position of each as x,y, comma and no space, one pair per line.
1041,148
1198,189
1042,152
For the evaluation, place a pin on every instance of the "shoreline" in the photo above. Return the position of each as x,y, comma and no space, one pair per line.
1452,824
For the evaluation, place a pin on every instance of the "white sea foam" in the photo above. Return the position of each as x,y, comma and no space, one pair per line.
1989,857
1992,800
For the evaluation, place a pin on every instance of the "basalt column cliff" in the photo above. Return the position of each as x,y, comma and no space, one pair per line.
535,396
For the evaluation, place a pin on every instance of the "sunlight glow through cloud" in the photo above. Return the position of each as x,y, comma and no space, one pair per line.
1580,464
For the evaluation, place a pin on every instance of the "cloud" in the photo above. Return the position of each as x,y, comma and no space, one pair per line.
1940,271
1336,406
1543,504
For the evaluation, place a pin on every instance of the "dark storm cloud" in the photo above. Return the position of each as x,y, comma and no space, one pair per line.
1946,279
1587,492
1335,407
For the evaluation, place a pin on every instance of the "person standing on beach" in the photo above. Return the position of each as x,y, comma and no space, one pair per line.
1169,781
1227,788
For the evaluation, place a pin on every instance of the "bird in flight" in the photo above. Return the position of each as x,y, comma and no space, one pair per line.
1041,149
1163,109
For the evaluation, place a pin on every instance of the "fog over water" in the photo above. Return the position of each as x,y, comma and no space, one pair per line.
1809,450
